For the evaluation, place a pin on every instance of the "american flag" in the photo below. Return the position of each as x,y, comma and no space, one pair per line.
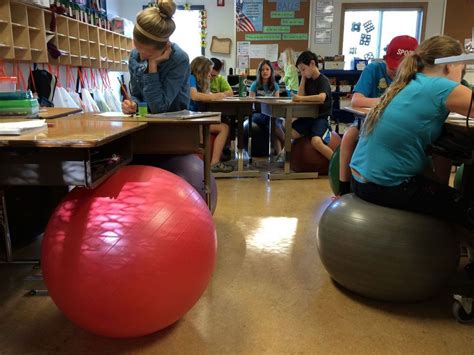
243,23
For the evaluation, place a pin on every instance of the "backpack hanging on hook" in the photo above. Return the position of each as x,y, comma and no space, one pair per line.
43,83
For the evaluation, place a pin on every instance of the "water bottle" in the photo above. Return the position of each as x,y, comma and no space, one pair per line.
242,86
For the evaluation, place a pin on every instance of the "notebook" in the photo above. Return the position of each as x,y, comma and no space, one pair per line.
21,127
182,115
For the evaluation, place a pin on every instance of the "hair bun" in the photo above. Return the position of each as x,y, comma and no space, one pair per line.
167,8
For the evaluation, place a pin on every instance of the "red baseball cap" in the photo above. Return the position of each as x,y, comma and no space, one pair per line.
398,48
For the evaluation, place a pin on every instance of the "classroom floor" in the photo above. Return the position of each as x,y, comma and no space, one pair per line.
269,294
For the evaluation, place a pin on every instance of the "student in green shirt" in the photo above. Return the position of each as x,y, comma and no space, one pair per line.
218,82
290,78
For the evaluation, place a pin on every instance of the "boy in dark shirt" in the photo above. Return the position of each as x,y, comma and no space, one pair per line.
314,87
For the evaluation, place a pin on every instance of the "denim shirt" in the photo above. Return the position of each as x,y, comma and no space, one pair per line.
166,90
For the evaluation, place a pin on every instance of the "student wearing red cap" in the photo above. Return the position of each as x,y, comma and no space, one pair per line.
373,82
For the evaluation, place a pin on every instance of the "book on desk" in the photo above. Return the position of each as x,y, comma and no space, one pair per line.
21,127
182,115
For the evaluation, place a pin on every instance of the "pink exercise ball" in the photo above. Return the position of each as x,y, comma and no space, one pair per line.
131,256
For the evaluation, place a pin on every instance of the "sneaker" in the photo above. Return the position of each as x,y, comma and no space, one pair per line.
280,158
226,155
220,167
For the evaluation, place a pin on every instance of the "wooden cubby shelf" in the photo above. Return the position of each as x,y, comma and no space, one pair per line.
24,29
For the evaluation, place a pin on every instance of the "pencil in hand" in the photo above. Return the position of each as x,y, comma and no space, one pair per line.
125,94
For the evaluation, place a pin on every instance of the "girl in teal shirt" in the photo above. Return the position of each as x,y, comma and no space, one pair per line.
389,166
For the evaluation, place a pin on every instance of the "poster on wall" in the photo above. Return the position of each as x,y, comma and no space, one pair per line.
264,51
324,16
249,15
287,5
322,36
243,48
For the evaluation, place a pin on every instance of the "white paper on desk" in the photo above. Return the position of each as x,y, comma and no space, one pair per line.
113,114
19,127
457,116
273,98
182,115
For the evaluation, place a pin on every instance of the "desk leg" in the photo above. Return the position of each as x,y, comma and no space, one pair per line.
207,163
4,224
288,128
240,141
271,141
240,152
288,174
467,187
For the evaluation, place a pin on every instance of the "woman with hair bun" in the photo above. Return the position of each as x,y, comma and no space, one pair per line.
159,69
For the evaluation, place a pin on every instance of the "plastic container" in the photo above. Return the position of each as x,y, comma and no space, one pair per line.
16,95
142,109
242,86
7,83
27,107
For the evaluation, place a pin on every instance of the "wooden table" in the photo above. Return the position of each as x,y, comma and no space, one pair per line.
67,152
170,136
289,109
238,107
56,112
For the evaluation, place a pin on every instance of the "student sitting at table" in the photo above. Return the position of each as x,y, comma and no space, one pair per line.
373,82
199,86
266,85
159,69
389,165
314,87
220,84
290,77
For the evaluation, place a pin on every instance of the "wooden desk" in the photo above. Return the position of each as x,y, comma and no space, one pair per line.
56,112
45,113
68,152
358,111
238,107
170,136
289,109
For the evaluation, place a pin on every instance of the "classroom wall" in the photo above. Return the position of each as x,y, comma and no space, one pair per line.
221,21
434,22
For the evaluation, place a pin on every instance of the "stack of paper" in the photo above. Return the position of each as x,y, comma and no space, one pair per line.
20,127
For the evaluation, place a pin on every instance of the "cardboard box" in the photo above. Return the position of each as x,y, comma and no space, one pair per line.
333,65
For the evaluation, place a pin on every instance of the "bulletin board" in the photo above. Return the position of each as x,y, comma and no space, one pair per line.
459,19
283,22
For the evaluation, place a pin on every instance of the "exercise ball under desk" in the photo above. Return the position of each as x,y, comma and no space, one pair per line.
385,253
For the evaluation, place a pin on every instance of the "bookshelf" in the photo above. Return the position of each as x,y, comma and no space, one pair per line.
25,31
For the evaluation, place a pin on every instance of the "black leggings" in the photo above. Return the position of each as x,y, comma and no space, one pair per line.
423,195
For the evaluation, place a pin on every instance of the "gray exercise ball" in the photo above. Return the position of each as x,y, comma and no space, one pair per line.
385,253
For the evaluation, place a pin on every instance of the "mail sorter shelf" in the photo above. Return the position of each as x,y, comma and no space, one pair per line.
25,32
63,166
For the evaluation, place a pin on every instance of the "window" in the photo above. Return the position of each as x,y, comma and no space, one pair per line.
368,28
188,31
